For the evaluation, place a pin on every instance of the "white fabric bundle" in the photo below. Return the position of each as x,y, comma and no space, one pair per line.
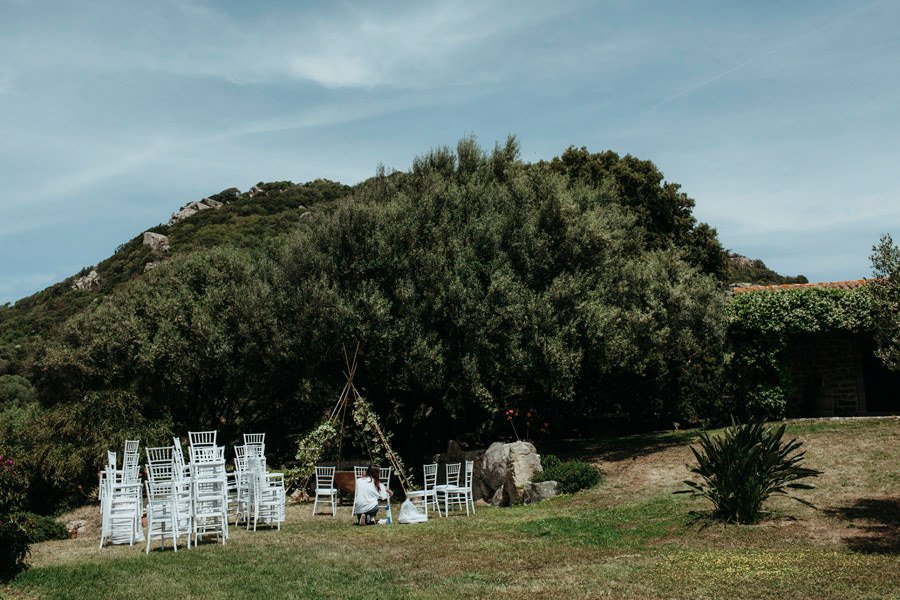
410,514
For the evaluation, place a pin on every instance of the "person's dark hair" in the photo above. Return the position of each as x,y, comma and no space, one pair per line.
374,472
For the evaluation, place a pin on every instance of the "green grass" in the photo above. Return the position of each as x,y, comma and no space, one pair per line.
628,538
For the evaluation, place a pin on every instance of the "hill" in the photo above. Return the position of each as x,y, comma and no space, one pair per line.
741,269
251,219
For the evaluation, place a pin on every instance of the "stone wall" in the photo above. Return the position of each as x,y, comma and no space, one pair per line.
827,376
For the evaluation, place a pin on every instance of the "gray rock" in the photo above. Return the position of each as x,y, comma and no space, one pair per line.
255,190
150,265
210,203
509,467
77,528
538,492
500,497
184,213
157,241
192,208
90,282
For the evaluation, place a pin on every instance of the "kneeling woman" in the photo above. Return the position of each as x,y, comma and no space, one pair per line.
368,492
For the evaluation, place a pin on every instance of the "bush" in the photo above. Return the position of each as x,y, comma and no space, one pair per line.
743,467
13,548
41,528
550,461
570,477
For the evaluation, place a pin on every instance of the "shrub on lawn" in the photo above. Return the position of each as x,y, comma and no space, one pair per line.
743,467
13,537
570,477
13,548
41,528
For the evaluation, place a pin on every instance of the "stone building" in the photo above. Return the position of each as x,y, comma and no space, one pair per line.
836,373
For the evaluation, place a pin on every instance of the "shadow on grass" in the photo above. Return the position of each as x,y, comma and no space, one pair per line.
880,524
615,449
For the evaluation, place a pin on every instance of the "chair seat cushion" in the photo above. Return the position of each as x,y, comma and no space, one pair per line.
324,491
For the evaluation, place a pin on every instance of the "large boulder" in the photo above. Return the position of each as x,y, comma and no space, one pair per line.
506,469
157,241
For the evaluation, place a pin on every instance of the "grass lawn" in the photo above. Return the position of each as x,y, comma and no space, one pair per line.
628,538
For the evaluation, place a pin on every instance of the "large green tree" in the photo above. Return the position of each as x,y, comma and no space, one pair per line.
473,283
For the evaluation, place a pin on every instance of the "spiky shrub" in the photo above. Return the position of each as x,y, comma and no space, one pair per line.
743,467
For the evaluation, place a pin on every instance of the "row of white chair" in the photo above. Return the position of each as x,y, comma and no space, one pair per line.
259,495
451,493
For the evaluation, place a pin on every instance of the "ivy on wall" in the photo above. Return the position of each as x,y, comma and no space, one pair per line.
760,327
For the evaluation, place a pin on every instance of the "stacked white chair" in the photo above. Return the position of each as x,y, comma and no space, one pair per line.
209,491
130,461
451,481
254,438
267,492
120,509
325,488
202,438
426,496
178,456
168,498
461,495
102,488
239,486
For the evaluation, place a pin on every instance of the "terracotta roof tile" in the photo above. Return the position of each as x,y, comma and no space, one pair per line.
843,285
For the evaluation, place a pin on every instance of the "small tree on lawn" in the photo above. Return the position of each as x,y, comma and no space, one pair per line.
743,467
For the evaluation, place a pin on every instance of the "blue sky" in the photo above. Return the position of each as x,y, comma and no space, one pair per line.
781,119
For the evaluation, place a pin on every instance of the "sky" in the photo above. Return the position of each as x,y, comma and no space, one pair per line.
781,119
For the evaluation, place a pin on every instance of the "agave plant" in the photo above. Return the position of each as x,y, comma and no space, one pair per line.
743,467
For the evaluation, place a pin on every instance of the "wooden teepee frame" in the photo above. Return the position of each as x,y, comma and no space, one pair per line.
339,413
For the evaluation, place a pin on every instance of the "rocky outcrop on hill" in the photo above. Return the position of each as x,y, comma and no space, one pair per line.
192,208
90,282
156,241
743,271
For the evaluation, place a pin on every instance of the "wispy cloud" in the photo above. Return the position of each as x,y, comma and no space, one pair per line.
766,54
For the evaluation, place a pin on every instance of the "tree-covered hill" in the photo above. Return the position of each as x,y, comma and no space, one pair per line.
740,269
575,291
245,220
